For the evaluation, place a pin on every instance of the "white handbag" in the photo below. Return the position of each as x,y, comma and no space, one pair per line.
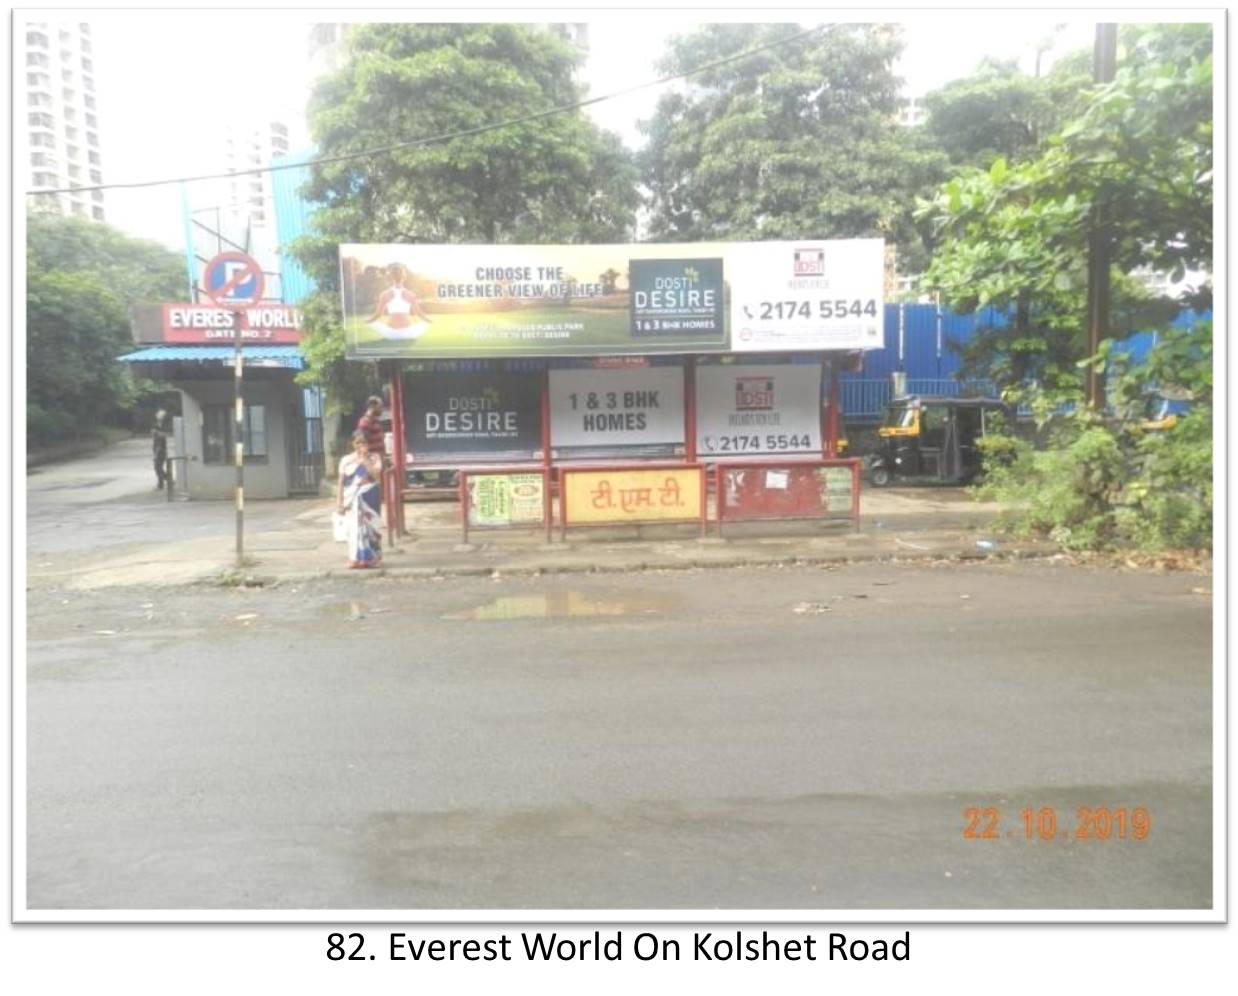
339,527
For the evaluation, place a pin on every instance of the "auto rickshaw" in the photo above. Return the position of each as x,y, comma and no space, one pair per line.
935,439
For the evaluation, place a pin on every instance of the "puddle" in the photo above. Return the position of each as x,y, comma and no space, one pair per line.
558,604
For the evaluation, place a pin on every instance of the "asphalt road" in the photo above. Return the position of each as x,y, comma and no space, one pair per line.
779,738
108,502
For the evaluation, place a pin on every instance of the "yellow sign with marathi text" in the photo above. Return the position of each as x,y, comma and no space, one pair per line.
653,494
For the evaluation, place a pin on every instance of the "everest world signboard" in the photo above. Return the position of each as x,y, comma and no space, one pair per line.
456,301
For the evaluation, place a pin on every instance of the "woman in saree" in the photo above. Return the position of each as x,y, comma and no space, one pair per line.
357,497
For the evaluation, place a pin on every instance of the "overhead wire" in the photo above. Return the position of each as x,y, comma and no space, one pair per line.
444,137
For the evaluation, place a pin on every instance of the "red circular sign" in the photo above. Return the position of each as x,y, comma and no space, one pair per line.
233,280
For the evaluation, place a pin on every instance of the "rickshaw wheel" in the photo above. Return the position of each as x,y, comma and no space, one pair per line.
879,477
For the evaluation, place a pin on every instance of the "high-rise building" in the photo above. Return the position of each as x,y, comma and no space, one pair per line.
61,118
237,212
912,112
326,48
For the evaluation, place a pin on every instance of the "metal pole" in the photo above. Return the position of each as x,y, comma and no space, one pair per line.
831,445
937,313
1105,56
397,445
187,222
239,437
689,409
388,487
902,324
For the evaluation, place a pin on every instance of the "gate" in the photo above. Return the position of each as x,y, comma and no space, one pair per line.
306,455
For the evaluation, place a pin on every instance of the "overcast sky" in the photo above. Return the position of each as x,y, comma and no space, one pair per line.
157,112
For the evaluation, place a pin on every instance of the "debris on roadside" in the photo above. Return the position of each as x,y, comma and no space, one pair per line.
810,608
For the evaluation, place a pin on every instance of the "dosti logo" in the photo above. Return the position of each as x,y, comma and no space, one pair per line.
754,394
810,262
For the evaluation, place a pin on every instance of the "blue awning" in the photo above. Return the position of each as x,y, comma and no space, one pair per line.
253,356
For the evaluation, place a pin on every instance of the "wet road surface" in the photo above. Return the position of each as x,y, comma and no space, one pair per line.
776,738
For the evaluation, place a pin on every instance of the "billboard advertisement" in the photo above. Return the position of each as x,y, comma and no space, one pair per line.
745,409
456,301
638,407
461,413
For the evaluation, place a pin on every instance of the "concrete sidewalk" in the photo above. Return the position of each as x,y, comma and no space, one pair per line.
291,540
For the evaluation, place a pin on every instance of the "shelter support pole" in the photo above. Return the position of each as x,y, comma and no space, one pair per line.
689,409
831,412
545,403
388,474
397,444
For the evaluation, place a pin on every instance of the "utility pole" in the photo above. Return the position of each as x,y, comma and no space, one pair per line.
234,281
238,366
1104,65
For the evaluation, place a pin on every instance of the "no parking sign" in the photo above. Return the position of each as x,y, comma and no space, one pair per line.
233,280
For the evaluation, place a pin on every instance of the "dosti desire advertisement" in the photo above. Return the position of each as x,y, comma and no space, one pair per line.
456,301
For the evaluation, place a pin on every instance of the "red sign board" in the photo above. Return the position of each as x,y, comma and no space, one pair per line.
205,323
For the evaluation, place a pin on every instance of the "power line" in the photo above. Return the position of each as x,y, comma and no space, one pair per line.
434,139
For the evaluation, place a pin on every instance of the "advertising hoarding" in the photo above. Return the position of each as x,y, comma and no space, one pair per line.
745,409
807,296
617,407
472,413
455,301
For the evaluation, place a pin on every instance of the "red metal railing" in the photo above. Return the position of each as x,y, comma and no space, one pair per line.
782,489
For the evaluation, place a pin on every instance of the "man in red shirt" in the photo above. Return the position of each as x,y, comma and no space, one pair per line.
371,423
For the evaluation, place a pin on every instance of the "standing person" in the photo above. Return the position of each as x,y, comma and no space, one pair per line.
159,445
357,499
371,425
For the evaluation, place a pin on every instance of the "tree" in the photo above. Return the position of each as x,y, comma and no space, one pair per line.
554,179
797,141
81,279
1016,235
999,112
136,270
1121,480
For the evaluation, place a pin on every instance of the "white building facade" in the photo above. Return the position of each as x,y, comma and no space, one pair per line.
59,121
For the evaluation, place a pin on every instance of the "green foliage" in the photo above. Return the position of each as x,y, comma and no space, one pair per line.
135,270
798,141
81,279
555,179
345,382
1116,481
999,113
75,328
1015,234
